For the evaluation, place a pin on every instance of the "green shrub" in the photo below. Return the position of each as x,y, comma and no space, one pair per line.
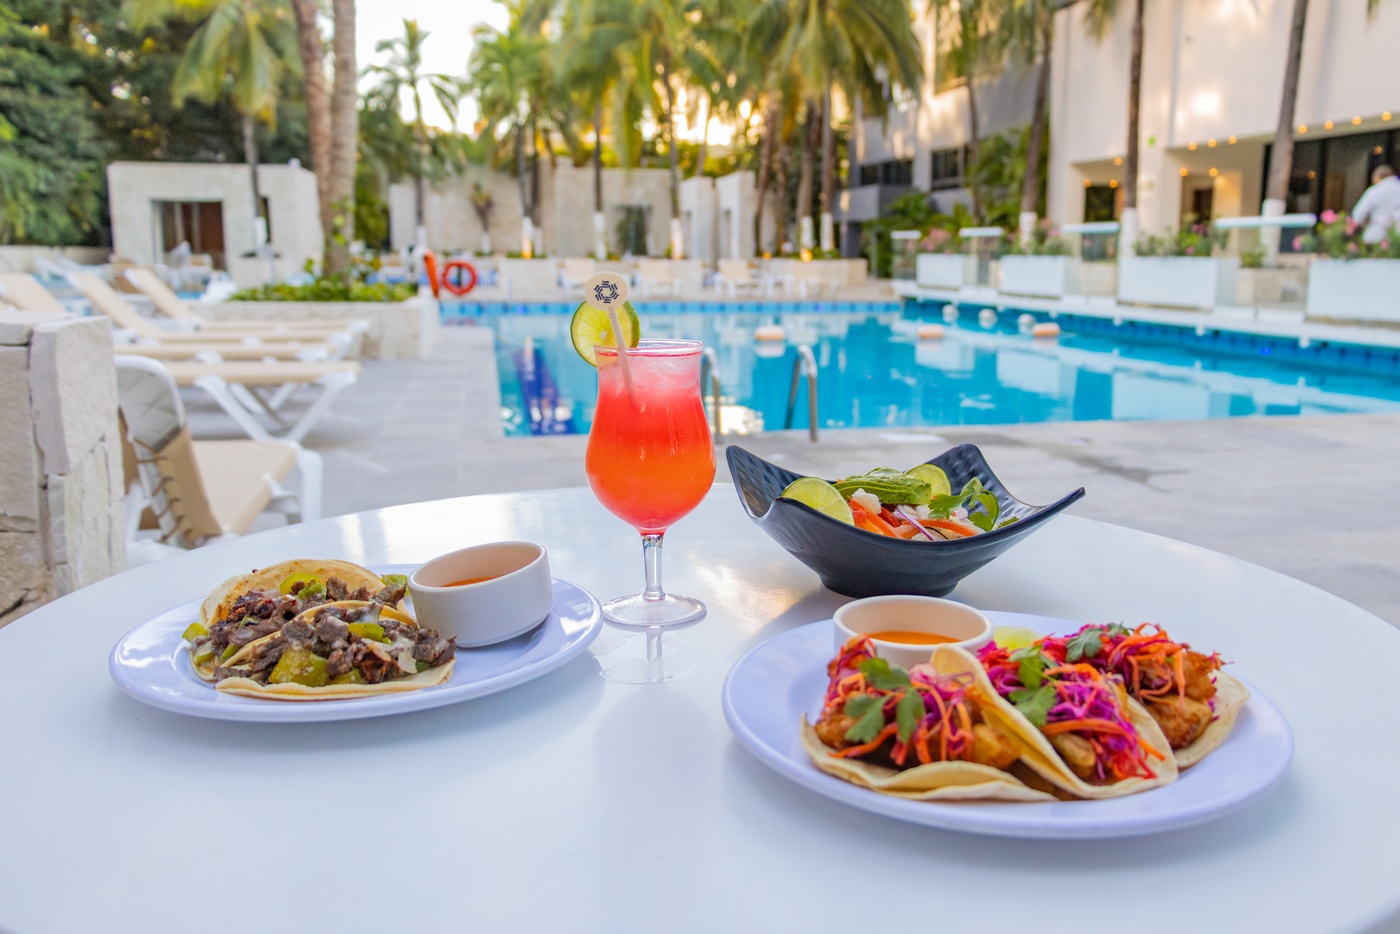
330,290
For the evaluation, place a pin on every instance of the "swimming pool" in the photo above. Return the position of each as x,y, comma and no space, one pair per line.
874,371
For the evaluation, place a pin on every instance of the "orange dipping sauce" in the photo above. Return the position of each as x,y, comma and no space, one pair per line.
469,580
910,637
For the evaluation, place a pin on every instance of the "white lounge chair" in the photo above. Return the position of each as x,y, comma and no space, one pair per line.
657,277
192,492
106,300
27,294
251,393
175,308
736,275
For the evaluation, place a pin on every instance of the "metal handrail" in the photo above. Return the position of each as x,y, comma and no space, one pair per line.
804,364
710,375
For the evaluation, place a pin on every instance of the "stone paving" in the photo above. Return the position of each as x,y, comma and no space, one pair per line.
1313,497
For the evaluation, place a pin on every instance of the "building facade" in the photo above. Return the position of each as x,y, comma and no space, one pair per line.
1212,79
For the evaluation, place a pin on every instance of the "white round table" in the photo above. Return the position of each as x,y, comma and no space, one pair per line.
572,803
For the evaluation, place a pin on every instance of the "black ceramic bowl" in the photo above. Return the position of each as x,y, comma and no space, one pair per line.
858,563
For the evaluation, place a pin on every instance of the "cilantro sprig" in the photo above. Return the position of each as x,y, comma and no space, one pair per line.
868,710
1036,696
1088,642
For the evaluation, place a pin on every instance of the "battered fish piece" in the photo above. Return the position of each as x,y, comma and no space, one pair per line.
1077,752
1198,669
832,727
1182,719
992,747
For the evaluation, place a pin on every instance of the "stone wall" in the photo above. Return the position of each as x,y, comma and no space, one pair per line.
61,518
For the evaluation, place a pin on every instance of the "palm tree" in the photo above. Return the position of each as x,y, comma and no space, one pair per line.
508,71
851,43
1027,27
974,44
242,48
1097,18
312,50
590,67
345,136
404,72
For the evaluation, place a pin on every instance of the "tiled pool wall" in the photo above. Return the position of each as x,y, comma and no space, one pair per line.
1325,353
1332,354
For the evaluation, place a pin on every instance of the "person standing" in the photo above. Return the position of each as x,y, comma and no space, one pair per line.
1379,207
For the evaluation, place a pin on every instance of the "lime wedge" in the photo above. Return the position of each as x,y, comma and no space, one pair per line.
934,476
821,496
591,327
1014,637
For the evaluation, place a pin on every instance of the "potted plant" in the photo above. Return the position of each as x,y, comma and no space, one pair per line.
941,263
1042,268
1351,279
1181,269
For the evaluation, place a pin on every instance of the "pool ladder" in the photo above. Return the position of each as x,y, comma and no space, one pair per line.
710,380
804,364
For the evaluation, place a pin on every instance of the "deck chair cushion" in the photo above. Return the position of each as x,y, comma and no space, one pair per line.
239,477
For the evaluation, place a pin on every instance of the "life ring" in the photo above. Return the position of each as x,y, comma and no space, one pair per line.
465,282
430,266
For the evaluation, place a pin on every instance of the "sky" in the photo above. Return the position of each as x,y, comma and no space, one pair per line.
449,24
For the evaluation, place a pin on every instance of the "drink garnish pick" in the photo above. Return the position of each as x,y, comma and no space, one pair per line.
607,292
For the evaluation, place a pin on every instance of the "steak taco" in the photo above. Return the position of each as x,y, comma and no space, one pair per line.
917,734
1080,730
253,606
336,650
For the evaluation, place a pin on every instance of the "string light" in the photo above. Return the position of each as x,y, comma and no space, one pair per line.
1327,125
1302,128
1113,183
1117,160
1191,146
1214,172
1183,171
1088,184
1385,115
1356,121
1231,141
1210,143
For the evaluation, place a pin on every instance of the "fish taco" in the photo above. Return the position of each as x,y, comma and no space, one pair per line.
1080,730
918,734
1193,702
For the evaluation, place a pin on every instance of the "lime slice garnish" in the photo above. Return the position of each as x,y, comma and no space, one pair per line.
1014,637
821,496
934,476
591,327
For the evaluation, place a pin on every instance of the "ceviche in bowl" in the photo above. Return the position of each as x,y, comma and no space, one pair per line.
886,531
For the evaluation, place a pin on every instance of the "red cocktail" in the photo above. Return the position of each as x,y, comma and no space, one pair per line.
650,460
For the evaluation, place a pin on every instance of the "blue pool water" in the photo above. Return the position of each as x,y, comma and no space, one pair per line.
873,371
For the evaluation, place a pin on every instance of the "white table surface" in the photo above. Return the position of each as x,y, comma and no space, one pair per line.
572,803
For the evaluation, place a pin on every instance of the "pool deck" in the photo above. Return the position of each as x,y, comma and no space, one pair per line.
1312,497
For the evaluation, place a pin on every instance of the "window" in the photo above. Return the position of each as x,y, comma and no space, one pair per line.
892,172
947,169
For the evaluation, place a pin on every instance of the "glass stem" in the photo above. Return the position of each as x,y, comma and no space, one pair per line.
651,556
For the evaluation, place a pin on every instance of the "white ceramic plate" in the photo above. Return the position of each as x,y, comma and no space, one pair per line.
151,663
771,687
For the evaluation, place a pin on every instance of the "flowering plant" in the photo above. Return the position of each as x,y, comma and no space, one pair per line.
1194,239
939,240
1045,241
1338,236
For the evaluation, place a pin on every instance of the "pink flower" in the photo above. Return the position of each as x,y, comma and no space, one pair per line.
1351,227
1190,251
1329,217
1297,243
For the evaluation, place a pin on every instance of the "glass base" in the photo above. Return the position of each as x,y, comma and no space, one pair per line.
626,656
638,612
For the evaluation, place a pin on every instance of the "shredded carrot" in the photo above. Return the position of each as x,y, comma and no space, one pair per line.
871,746
1091,724
961,531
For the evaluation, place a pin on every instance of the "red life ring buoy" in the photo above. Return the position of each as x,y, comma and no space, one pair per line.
430,266
465,282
